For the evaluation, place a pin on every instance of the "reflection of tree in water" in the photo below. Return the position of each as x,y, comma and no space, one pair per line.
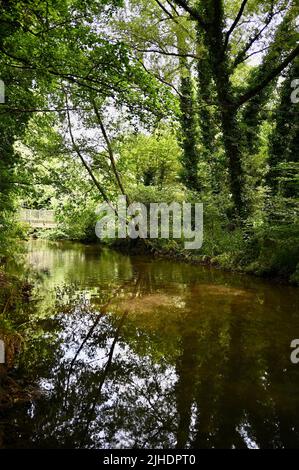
210,369
235,378
107,396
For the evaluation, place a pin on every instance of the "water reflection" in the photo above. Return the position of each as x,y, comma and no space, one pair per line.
133,352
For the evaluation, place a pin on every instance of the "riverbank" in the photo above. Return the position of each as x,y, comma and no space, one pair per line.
232,251
15,293
238,261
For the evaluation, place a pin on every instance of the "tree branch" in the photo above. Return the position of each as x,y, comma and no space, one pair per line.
240,57
272,74
164,9
70,77
160,79
78,152
167,53
170,15
173,7
40,110
235,23
109,148
192,12
254,53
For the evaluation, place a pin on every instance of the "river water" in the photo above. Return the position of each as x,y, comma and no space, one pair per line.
130,351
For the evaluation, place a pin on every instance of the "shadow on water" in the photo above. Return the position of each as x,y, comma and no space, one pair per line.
135,352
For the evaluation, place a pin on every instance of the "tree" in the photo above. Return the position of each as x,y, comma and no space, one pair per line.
12,126
284,150
219,34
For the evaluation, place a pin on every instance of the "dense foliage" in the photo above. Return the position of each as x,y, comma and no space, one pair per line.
159,101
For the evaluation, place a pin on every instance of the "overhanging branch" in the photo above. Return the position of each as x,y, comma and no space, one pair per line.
109,148
78,152
272,74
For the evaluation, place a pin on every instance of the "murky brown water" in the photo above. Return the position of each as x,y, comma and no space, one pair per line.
135,352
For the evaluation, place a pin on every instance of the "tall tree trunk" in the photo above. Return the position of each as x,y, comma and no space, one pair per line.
232,136
189,127
232,133
206,115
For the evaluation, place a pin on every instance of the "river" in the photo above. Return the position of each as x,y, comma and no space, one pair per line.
130,351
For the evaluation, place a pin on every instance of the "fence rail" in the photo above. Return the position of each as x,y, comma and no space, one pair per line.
38,218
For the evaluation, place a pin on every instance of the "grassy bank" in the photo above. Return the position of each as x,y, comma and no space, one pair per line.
266,251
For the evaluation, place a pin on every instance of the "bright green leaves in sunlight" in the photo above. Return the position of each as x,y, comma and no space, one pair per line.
182,99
